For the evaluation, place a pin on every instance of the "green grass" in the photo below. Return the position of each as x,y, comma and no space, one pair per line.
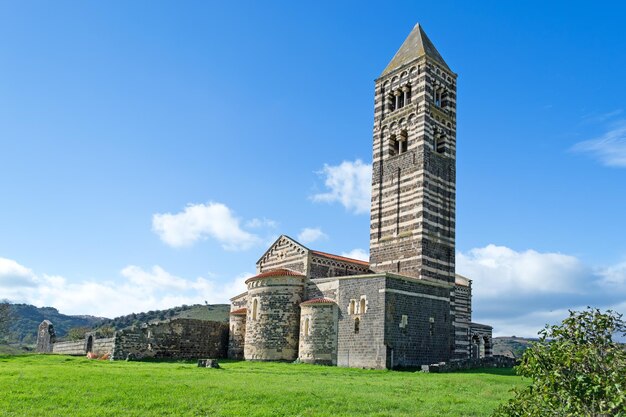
47,385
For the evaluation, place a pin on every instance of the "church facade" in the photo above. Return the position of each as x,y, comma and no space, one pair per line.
406,306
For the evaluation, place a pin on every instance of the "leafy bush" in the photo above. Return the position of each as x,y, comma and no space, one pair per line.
577,369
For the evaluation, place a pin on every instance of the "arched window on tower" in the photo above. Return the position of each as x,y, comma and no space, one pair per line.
352,307
306,326
255,307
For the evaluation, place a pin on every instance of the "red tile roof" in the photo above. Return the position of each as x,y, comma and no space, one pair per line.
340,258
319,301
281,272
239,311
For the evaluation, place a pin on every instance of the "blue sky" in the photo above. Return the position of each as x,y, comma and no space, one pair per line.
150,151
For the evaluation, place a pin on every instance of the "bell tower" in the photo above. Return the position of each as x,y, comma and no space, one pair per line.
412,228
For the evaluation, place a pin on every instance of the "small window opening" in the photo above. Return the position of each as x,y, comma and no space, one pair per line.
431,328
395,145
404,321
357,323
362,306
401,100
351,308
440,143
306,327
255,306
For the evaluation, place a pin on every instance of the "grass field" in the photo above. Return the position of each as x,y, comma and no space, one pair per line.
46,385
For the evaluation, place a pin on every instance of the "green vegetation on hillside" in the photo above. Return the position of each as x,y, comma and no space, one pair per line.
46,385
25,318
214,312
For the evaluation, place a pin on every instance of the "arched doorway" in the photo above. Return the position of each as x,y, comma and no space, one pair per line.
487,344
89,347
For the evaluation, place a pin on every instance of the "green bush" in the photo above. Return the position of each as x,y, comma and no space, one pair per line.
576,368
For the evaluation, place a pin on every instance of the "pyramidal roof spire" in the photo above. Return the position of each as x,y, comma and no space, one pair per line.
415,45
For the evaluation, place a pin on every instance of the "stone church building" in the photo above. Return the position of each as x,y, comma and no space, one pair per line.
406,306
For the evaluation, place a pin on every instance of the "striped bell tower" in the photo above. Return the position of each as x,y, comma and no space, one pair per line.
412,229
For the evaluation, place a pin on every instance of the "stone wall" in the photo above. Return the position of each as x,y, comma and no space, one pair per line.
179,338
103,346
318,332
273,318
237,334
285,253
361,330
464,364
45,337
323,265
69,348
418,323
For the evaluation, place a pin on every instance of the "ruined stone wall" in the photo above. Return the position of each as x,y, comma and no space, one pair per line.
418,323
179,338
360,341
318,333
103,346
481,341
69,348
45,337
273,318
237,334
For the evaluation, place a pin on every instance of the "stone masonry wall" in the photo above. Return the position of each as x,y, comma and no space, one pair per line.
273,318
318,333
69,348
284,253
418,323
237,336
179,338
360,341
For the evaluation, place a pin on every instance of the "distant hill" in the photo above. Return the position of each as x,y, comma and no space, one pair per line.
511,346
26,319
213,312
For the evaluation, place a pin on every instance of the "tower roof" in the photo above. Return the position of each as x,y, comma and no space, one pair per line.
415,45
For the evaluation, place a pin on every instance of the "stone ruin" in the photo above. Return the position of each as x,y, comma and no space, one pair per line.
174,339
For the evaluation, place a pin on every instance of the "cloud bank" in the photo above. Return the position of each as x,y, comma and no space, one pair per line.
136,290
518,292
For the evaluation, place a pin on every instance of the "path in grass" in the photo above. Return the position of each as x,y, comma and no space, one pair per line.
46,385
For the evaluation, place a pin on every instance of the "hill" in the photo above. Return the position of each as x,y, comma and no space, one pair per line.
213,312
26,318
511,346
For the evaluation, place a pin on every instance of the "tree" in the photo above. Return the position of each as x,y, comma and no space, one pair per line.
576,369
77,333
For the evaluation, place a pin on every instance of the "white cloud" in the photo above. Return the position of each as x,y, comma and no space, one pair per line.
201,221
310,235
259,223
518,292
609,148
136,290
349,183
357,254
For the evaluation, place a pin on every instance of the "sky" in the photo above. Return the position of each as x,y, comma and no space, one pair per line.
150,151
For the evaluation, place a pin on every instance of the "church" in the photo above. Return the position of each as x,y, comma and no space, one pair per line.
406,307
